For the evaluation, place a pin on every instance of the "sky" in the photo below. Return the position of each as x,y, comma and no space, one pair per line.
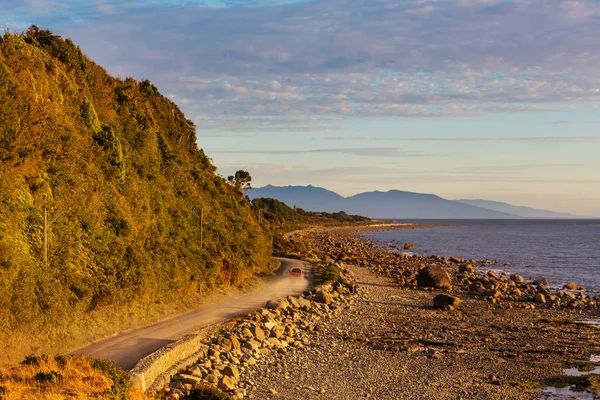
480,99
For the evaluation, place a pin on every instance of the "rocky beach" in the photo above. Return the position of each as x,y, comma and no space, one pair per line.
381,324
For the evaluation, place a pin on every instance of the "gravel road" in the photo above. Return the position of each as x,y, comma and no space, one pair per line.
128,348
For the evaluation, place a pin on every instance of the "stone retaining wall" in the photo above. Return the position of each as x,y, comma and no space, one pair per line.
154,371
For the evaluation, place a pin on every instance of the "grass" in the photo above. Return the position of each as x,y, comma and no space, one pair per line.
59,377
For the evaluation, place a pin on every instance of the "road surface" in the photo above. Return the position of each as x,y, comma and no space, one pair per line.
128,348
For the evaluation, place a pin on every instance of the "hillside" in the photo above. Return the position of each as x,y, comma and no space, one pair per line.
392,204
526,212
116,165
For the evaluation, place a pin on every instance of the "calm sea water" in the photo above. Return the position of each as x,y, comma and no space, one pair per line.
558,250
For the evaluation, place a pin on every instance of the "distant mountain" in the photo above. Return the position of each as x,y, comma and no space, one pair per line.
392,204
407,205
526,212
310,198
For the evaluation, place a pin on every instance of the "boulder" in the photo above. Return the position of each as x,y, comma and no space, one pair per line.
304,304
232,371
540,281
569,295
280,304
235,343
572,286
226,384
258,333
252,345
540,298
433,276
293,301
444,300
518,279
468,268
323,297
191,379
249,360
277,331
409,246
269,325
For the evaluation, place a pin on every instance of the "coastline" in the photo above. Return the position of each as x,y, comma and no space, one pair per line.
535,249
389,341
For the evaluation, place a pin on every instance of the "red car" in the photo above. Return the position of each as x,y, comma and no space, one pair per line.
297,272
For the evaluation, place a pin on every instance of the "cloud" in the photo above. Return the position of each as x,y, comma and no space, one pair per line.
245,66
359,151
576,122
518,139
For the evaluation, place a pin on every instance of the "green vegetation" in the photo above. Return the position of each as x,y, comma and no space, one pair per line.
330,273
116,165
279,214
279,218
207,393
590,383
586,367
241,180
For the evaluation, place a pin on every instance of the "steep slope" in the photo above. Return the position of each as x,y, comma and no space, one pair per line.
526,212
309,197
392,204
399,204
117,166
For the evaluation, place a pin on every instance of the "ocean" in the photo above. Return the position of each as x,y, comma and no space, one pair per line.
559,250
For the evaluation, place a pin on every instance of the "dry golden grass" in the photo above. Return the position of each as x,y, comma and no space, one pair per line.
57,378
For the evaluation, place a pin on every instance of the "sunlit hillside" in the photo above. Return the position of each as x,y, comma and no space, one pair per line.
125,186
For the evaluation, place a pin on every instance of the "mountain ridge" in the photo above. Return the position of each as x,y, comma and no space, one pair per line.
375,204
428,205
523,211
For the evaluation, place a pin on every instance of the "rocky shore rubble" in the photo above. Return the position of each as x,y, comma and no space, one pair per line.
230,357
467,333
461,276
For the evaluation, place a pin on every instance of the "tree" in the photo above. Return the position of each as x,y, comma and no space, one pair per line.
241,180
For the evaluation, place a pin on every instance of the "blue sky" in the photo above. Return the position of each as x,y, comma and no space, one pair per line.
491,99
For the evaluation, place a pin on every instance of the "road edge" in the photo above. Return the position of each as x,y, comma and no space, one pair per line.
154,371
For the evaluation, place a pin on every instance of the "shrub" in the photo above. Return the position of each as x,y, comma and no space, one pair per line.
119,378
203,392
327,274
